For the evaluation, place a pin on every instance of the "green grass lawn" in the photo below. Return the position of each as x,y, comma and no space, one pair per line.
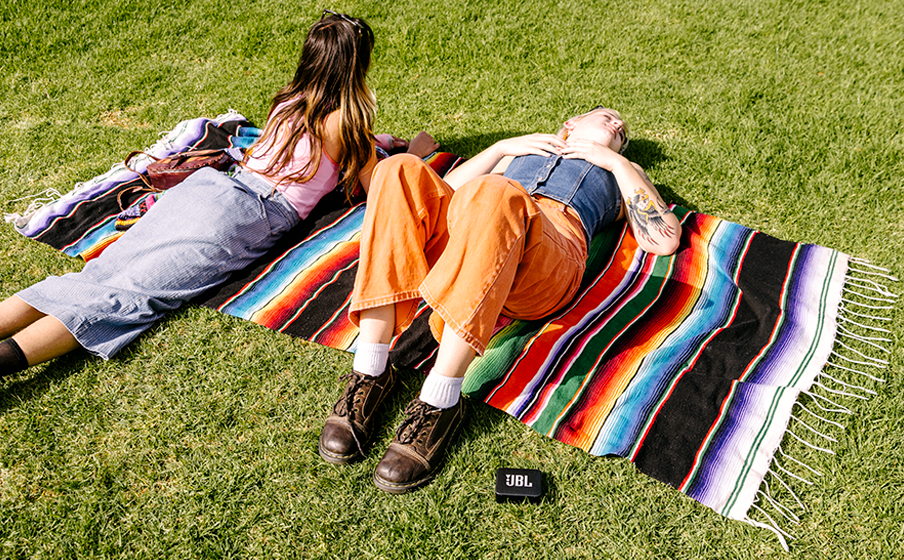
200,439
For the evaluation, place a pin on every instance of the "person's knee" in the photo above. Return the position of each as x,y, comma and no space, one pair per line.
489,196
397,164
396,171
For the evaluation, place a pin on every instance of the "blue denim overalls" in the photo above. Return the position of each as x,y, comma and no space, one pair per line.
589,190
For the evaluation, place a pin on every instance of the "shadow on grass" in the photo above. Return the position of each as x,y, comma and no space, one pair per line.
36,380
648,154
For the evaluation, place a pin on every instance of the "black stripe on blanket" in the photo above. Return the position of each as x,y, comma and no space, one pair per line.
680,428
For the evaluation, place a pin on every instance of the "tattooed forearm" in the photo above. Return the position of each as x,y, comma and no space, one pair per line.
647,214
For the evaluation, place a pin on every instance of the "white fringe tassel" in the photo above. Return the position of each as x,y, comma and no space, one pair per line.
771,526
865,298
38,201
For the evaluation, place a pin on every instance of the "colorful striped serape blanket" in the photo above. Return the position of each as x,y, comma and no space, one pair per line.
689,366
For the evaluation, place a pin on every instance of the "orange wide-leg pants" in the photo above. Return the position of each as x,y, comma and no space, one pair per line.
486,249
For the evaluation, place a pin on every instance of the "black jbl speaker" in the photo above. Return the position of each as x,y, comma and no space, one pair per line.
519,485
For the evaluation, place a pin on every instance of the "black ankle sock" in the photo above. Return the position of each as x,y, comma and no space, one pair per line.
12,359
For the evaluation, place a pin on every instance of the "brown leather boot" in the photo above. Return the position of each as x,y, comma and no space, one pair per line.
416,454
349,427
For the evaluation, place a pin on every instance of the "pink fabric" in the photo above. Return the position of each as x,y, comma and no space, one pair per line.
384,141
302,196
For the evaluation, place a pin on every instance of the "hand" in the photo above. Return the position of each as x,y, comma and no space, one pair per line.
535,144
595,152
422,145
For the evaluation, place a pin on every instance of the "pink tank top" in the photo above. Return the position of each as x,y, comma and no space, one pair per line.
302,196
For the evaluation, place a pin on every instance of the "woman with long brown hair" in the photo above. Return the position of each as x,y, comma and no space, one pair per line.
318,136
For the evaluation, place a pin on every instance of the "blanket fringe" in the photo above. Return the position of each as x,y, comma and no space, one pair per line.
771,526
870,284
857,371
875,362
777,477
843,308
866,263
38,201
801,463
814,415
848,385
844,300
838,408
814,430
871,298
856,360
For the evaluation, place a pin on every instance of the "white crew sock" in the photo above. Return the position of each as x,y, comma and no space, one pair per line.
441,391
371,358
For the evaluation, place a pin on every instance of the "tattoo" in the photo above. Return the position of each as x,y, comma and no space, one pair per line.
647,215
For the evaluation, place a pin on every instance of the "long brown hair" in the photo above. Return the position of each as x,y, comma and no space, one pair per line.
330,76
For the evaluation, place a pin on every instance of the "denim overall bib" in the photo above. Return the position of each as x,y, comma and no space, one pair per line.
589,190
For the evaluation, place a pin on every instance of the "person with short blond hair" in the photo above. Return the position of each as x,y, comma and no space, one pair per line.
505,233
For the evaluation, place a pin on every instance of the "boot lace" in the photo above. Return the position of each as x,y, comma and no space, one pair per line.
345,406
418,418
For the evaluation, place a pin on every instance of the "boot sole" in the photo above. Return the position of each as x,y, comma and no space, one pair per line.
404,488
335,459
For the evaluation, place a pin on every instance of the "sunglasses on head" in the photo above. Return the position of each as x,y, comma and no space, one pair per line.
342,16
